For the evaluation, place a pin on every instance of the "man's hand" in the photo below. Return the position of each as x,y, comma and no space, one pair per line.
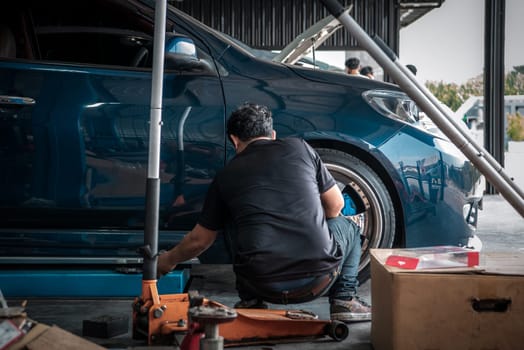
192,245
164,265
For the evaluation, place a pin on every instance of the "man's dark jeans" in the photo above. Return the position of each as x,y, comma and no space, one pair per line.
347,234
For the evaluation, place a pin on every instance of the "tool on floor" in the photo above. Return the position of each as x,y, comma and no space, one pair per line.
105,326
160,318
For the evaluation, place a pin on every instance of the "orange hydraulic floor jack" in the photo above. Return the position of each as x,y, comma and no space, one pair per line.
160,318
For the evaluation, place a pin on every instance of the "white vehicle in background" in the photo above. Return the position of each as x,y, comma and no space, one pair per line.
472,113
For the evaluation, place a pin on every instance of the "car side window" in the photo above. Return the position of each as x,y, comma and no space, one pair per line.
104,46
101,33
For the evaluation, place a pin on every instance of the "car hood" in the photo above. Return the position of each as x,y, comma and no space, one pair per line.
355,81
310,39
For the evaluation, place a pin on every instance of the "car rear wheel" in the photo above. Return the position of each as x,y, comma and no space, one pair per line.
377,222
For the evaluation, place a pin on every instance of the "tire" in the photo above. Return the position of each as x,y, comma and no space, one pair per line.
377,222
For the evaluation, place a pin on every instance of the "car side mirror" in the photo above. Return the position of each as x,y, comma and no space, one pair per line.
181,55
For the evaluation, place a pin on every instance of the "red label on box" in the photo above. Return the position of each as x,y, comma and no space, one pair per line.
403,262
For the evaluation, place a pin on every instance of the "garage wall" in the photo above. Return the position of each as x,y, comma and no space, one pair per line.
271,24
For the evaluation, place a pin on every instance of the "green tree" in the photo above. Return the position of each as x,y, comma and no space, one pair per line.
453,95
514,82
515,127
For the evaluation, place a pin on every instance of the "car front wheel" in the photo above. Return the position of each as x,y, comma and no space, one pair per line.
377,221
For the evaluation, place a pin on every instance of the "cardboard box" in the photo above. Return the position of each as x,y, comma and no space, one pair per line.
46,337
55,338
464,308
34,333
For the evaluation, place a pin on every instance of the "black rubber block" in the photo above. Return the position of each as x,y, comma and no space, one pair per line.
105,326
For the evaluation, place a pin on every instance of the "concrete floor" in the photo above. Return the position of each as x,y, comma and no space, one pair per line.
500,228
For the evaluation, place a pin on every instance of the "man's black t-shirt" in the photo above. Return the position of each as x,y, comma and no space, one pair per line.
271,192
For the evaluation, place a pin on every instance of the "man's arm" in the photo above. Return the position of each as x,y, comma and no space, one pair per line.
332,202
192,245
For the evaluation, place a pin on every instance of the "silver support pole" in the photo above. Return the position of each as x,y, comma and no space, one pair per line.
157,84
429,104
155,126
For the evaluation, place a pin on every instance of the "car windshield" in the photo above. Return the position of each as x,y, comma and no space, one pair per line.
264,54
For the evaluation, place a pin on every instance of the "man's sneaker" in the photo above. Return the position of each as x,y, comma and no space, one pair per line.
350,310
251,304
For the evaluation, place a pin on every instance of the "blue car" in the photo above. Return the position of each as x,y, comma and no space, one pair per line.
75,90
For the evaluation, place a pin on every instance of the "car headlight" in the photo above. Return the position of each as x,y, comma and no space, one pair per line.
393,104
397,105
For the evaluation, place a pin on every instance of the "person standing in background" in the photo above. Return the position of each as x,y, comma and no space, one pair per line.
353,66
412,68
367,71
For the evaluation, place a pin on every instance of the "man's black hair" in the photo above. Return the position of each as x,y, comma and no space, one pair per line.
366,70
412,68
250,121
352,63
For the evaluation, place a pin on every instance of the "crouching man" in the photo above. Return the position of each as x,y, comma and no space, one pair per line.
292,244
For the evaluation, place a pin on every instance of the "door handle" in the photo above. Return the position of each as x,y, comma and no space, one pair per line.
16,101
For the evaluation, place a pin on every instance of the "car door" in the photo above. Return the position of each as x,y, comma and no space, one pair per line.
74,109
